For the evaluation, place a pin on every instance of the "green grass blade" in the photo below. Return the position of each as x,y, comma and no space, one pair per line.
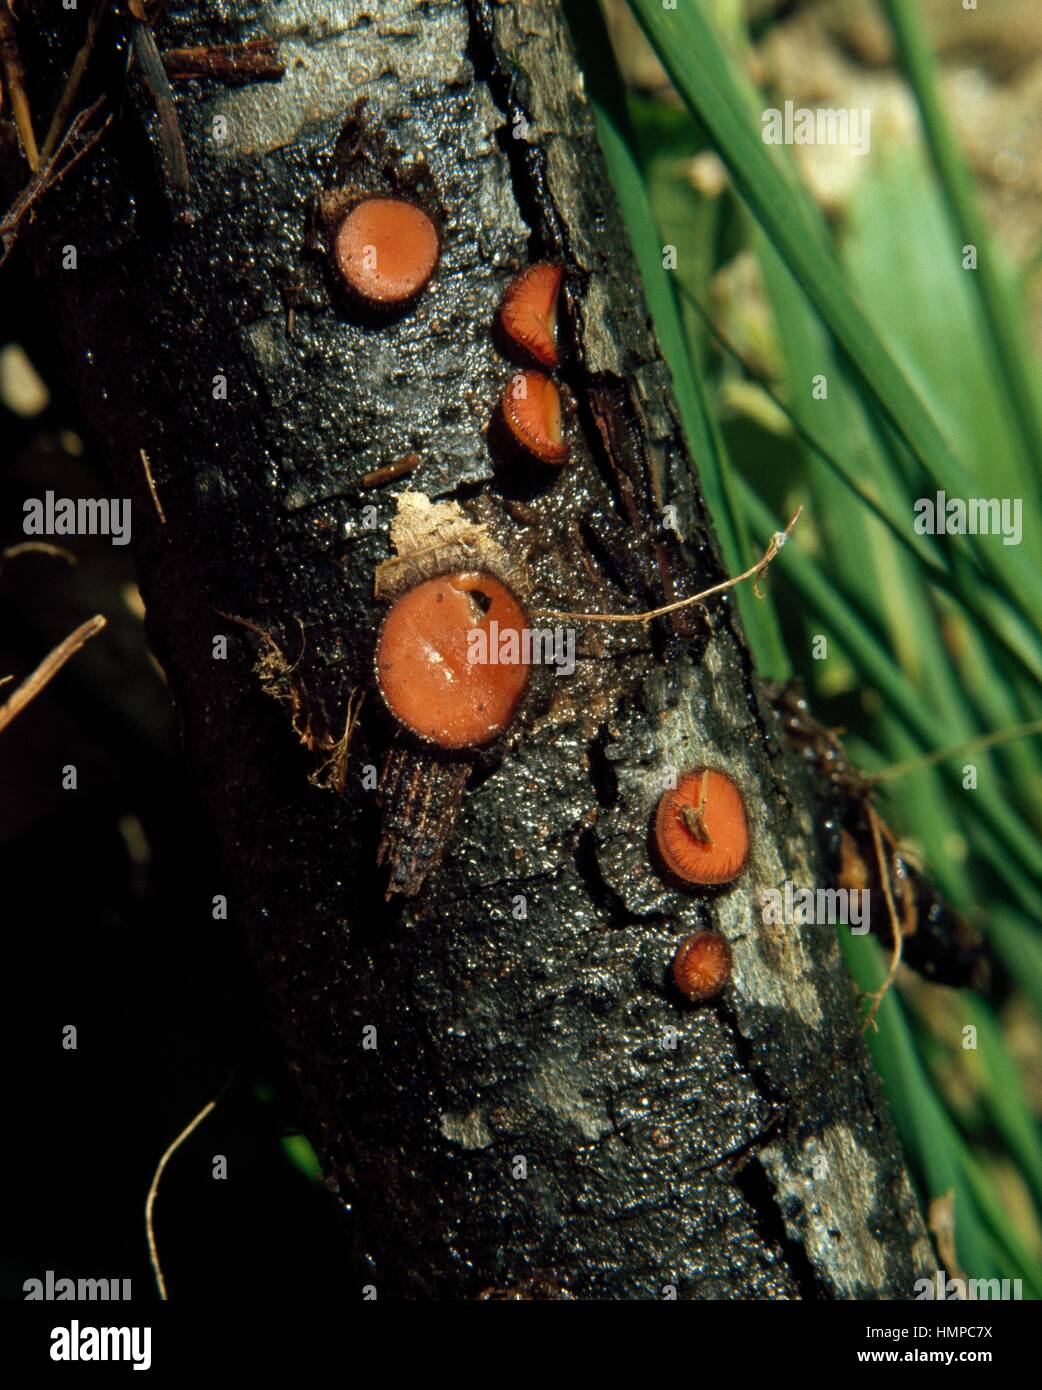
1003,1095
1019,947
1006,341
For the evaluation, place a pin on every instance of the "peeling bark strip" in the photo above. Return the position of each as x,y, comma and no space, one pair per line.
542,1114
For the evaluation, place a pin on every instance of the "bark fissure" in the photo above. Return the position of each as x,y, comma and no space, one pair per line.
548,237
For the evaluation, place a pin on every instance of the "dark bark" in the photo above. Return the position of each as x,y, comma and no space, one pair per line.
697,1166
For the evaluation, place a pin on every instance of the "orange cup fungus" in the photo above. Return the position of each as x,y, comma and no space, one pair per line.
528,313
701,831
532,412
448,661
702,965
386,250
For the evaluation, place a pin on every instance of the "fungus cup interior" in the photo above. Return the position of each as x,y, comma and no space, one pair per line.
532,411
701,831
450,659
386,250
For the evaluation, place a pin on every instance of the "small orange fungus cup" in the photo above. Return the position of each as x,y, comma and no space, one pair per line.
702,966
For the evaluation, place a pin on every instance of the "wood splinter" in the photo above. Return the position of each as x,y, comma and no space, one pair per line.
387,474
236,64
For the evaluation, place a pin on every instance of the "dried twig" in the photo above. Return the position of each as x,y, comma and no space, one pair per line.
941,1219
332,774
72,87
390,471
48,669
37,548
940,755
14,76
877,995
150,1200
171,141
754,572
49,174
152,487
310,725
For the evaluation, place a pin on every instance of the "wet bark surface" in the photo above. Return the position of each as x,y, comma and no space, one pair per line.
542,1115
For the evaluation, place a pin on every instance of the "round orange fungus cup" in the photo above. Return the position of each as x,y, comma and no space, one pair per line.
528,313
701,831
439,659
386,250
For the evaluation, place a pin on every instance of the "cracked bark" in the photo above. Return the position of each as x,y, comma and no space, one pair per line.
699,1166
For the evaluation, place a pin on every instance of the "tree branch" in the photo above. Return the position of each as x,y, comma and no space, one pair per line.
503,1087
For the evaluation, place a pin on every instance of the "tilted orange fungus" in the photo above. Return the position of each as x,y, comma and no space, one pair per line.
449,659
532,411
701,830
386,250
702,965
528,313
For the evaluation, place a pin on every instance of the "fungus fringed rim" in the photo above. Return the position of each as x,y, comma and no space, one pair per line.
528,312
531,408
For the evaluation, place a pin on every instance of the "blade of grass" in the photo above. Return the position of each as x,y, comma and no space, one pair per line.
1019,947
989,608
919,546
1008,350
876,564
899,252
1003,1095
658,292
